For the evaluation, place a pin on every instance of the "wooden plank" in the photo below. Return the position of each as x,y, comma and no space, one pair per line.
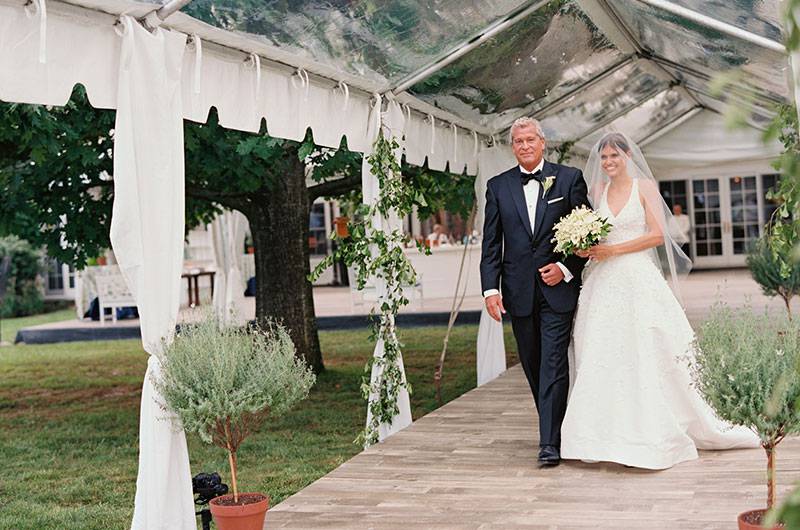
472,464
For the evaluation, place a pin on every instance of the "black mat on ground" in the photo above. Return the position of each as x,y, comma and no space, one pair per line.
52,335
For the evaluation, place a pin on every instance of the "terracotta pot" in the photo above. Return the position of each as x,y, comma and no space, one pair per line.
242,516
745,517
341,227
102,260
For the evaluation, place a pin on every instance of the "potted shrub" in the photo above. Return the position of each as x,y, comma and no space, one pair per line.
222,382
745,366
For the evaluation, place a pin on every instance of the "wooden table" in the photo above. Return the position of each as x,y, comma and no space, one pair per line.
193,278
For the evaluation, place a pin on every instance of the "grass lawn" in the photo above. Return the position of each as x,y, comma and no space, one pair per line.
10,326
69,424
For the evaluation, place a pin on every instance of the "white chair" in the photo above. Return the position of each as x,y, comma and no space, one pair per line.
112,292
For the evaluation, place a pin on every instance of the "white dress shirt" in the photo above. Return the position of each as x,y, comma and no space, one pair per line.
531,190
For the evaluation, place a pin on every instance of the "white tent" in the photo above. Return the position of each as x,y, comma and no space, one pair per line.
450,75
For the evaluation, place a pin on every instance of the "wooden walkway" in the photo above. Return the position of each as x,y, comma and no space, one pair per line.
472,464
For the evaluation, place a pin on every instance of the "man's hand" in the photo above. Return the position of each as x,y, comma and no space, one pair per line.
494,304
551,274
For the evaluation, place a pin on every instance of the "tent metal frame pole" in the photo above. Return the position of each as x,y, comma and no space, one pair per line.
749,121
630,40
705,76
171,7
564,97
458,52
672,125
718,25
658,61
764,113
153,19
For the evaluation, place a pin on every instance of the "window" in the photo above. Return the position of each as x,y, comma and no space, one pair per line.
317,235
674,192
55,276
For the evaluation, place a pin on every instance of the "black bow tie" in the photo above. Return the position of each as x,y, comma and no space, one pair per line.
526,177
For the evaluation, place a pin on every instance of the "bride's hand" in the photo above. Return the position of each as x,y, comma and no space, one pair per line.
582,253
601,252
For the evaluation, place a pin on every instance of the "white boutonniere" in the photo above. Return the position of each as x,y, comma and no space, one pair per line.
547,183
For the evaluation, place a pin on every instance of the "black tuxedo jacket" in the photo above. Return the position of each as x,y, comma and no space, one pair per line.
512,254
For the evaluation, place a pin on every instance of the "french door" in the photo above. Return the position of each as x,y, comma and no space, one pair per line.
728,214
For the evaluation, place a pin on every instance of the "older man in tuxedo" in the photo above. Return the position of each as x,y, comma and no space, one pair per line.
522,275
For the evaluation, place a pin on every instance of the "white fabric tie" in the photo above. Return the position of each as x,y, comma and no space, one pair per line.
255,60
378,117
407,111
455,143
198,61
304,81
346,93
123,27
433,133
38,7
475,144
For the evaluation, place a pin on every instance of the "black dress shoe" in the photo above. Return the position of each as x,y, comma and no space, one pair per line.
549,456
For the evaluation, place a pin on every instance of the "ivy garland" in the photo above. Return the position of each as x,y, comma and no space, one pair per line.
374,253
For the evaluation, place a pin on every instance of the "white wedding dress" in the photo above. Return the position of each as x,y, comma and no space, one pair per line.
631,399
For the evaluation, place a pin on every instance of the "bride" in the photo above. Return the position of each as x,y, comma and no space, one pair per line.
632,401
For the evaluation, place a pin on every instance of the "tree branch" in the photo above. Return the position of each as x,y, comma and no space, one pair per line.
333,187
233,201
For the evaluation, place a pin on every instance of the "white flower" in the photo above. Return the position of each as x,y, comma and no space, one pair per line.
580,229
547,183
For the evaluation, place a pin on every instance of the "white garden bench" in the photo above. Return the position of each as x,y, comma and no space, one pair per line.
112,292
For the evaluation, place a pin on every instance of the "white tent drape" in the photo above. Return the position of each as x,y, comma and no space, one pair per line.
227,235
706,141
491,350
147,236
393,123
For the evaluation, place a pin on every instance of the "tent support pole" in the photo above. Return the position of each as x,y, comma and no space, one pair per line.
722,27
681,119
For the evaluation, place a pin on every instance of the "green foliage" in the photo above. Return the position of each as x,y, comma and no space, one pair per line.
55,164
773,260
784,128
745,369
433,191
220,378
222,381
24,294
378,254
791,24
772,264
563,151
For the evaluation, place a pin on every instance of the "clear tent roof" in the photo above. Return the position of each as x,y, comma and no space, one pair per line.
551,60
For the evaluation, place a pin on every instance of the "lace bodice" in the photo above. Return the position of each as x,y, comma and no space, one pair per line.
630,222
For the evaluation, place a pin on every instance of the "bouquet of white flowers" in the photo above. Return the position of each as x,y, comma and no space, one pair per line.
581,229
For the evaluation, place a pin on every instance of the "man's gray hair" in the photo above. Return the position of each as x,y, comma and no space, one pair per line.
519,123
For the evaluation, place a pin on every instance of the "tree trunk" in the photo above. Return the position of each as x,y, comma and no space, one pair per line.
770,476
279,226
